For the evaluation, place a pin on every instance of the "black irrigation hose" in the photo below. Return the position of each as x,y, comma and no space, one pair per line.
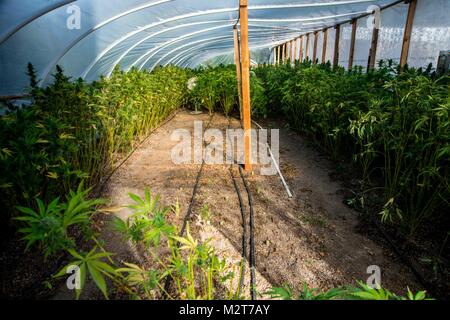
244,223
194,191
244,231
252,236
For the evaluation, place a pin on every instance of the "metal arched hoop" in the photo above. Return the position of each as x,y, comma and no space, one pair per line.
142,56
311,19
251,48
182,62
183,46
212,11
8,34
50,67
155,50
55,61
149,26
123,55
176,59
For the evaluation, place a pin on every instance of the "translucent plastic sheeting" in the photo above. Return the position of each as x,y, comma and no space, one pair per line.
330,44
431,32
363,41
147,33
344,44
391,33
311,46
319,46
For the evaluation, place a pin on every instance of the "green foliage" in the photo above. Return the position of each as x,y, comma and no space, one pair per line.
363,292
391,125
76,131
215,87
193,267
49,226
258,100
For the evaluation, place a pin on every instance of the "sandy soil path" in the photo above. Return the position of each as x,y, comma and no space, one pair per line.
310,238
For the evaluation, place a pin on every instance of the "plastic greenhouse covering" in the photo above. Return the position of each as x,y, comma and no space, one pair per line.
88,38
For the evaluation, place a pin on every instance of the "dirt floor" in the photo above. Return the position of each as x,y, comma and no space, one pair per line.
310,238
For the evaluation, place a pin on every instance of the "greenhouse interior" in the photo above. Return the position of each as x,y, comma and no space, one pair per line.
225,150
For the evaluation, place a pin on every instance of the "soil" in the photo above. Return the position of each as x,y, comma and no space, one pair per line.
310,238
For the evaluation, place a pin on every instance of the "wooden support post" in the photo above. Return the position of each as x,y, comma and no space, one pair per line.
282,53
352,44
295,49
292,51
324,48
373,48
407,34
237,62
245,62
278,54
336,45
316,40
307,47
274,55
301,49
285,52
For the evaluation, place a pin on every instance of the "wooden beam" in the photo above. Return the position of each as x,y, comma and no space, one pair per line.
282,52
301,49
336,45
277,52
407,34
324,48
15,97
292,51
352,44
285,52
245,62
316,40
295,49
307,47
274,55
237,62
373,48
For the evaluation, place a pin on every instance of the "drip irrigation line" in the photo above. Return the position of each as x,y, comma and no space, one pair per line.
244,222
252,236
244,231
194,191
